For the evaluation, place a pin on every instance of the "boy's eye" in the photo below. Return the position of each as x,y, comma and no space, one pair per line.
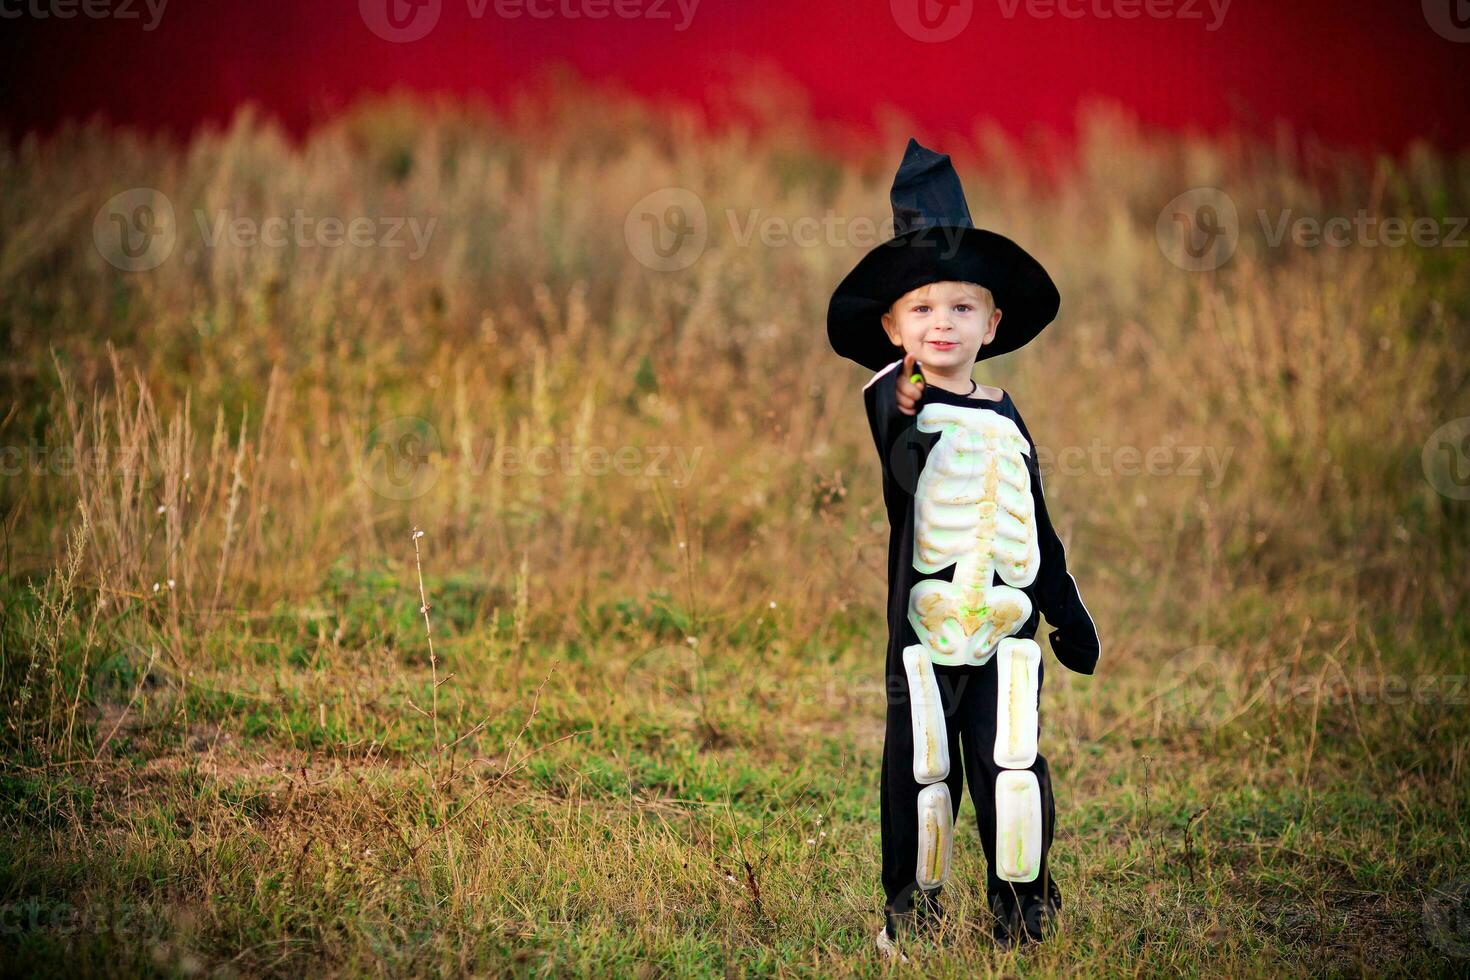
922,308
962,306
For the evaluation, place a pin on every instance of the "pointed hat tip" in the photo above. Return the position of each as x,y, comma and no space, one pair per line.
917,149
926,191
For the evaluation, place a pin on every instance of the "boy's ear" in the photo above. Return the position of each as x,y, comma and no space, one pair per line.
888,328
994,322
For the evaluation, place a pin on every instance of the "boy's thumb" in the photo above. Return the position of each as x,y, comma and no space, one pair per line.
908,365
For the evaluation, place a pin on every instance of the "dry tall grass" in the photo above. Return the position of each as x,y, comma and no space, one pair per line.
202,541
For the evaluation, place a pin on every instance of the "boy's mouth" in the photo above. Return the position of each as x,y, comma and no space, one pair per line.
944,344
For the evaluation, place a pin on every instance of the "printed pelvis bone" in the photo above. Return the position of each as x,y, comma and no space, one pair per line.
974,510
931,741
936,835
1017,683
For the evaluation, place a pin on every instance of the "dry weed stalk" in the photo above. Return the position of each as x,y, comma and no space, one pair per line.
443,773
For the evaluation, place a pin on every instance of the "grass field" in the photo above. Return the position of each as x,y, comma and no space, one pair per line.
643,734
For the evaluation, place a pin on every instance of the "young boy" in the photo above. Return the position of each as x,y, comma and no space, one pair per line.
972,557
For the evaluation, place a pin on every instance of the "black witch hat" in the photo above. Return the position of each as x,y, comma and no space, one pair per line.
935,240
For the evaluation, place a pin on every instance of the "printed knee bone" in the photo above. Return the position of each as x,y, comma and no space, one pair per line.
1017,825
926,711
936,835
1018,676
1017,688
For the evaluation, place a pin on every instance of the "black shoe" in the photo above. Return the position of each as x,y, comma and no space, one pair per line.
1030,919
1039,917
918,913
1007,925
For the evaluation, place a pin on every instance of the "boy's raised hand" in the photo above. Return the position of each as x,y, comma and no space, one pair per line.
909,390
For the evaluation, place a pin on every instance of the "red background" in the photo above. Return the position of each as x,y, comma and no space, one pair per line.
1371,75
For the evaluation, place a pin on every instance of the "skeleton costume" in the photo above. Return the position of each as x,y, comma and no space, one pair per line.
973,562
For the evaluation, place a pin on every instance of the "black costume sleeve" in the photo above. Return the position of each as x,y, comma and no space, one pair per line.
881,397
1074,635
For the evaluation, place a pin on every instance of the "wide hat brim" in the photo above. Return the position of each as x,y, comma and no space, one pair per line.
1023,291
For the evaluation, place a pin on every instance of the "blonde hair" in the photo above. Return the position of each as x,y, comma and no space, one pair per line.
978,291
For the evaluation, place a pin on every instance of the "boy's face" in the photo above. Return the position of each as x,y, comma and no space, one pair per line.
943,324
